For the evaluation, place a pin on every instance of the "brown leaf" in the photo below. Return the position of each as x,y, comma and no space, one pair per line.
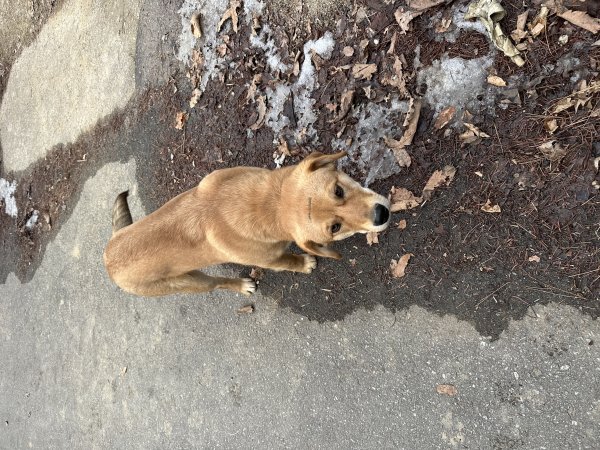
253,87
392,48
248,309
196,26
446,389
496,81
489,208
397,147
444,117
563,104
404,17
476,130
196,93
363,71
262,110
402,224
231,13
443,25
539,22
398,267
437,178
519,33
423,4
410,122
552,151
372,238
180,120
348,51
345,103
403,199
397,79
582,20
550,125
534,258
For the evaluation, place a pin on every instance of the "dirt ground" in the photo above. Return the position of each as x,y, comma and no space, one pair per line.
483,267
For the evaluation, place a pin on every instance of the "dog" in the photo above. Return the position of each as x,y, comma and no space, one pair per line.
243,215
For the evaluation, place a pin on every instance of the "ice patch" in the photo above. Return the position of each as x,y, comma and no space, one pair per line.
7,193
302,91
32,220
266,42
211,11
458,23
368,150
253,8
457,82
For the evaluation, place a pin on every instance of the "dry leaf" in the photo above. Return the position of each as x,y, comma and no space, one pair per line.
552,151
437,178
253,87
402,199
411,121
231,13
539,22
562,40
348,51
248,309
195,25
490,12
345,103
476,130
180,120
443,25
372,238
398,267
397,147
397,79
196,93
423,4
550,125
392,48
444,117
402,224
363,71
563,104
262,110
404,17
283,148
582,20
519,33
496,81
446,389
489,208
197,60
534,258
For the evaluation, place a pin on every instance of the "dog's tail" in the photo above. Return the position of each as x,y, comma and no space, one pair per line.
121,216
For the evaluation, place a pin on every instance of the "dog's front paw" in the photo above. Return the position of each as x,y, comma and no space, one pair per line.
247,286
310,263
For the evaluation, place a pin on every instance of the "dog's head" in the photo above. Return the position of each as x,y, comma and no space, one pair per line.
327,205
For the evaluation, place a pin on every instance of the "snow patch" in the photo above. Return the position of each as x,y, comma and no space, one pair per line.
33,219
253,8
368,150
7,193
459,23
266,43
457,82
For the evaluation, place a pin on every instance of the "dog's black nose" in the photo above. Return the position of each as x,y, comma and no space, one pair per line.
382,214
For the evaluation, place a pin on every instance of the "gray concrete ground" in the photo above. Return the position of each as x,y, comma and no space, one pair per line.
84,365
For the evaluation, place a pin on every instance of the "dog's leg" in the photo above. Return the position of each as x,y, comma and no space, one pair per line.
194,282
296,263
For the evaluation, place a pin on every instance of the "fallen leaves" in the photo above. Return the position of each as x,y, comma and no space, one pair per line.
539,22
348,51
472,135
534,258
196,93
196,26
363,71
582,20
262,110
446,389
550,125
519,33
581,97
496,81
552,151
397,79
248,309
489,208
372,238
398,268
231,13
345,103
397,148
180,120
490,12
444,117
402,199
402,224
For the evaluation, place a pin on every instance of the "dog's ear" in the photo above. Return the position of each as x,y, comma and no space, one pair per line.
317,160
319,250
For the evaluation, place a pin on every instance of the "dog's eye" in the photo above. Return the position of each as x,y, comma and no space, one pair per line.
339,192
335,227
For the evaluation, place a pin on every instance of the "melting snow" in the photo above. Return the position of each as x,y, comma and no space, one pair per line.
7,193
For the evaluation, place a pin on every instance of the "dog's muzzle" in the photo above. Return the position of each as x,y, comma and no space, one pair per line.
381,215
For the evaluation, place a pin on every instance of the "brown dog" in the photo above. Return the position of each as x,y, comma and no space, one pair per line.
243,215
